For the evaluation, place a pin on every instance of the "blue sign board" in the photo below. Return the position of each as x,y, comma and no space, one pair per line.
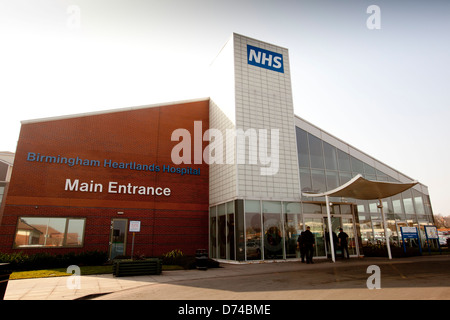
265,59
410,233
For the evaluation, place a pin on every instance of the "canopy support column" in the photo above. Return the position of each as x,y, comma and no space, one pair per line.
386,237
330,232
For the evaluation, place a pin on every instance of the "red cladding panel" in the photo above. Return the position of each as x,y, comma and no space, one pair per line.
105,151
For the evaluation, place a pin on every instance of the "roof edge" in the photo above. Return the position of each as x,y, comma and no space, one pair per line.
94,113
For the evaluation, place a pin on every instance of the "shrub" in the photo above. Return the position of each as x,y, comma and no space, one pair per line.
21,261
176,257
16,258
397,252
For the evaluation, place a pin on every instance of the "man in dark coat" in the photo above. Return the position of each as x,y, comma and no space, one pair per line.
343,242
309,241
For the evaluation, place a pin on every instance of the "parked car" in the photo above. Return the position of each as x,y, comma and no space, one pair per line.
443,238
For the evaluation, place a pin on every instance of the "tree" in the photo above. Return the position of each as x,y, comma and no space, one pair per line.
442,221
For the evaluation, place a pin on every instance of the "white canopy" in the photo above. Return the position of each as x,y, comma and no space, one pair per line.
362,189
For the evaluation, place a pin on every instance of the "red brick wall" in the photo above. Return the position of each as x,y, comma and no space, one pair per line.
178,221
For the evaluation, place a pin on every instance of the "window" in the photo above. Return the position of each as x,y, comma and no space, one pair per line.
408,202
418,202
305,180
330,156
357,165
369,170
396,204
316,152
221,228
2,191
302,148
253,229
332,180
49,232
381,176
213,232
273,230
344,177
318,181
344,161
311,208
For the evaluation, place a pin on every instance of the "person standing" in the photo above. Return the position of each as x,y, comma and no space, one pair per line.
309,241
343,242
301,246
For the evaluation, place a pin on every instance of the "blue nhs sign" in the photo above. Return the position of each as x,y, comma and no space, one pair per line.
265,59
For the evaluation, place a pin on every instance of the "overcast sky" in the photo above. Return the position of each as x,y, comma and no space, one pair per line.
385,91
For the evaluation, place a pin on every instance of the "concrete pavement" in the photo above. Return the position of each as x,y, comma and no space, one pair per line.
426,277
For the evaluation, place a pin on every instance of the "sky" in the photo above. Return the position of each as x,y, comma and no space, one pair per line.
377,79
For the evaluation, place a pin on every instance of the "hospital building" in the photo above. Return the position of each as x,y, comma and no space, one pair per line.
236,173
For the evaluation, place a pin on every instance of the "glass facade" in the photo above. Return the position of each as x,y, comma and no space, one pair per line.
252,230
268,230
324,167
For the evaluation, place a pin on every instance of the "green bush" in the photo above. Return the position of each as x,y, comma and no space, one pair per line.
176,257
397,252
22,262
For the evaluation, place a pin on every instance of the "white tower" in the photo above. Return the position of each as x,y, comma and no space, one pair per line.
251,94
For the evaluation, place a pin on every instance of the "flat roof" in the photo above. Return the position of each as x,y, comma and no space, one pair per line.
86,114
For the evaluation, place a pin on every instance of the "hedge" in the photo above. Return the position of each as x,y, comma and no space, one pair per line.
21,262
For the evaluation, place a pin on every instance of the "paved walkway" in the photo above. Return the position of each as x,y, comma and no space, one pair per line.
285,277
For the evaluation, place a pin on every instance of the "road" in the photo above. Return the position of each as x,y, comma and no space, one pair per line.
419,278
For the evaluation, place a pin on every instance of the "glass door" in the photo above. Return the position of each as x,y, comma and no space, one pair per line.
273,230
317,229
118,237
335,225
293,228
348,227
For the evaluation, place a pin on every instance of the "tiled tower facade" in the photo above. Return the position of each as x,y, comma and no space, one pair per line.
253,96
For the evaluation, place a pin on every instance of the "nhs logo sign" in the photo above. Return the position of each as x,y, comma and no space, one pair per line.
265,59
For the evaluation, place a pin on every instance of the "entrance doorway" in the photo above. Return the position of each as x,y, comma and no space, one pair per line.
319,227
335,225
118,237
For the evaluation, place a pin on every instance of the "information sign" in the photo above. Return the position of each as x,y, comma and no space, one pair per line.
432,234
410,233
135,226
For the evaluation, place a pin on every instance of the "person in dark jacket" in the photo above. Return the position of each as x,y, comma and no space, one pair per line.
309,241
343,242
